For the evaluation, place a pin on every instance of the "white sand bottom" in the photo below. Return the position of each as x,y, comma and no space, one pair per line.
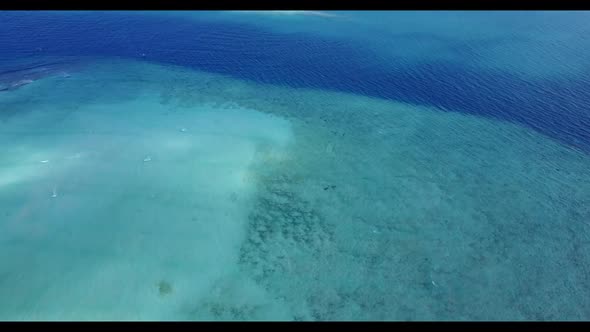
127,210
184,195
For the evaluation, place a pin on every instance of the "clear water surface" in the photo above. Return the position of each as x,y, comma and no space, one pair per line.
294,165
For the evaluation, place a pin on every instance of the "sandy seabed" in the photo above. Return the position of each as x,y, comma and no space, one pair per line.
133,191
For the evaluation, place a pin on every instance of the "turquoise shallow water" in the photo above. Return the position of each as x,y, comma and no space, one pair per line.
137,191
132,189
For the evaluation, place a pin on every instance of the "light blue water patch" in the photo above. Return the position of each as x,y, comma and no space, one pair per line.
135,191
113,209
536,44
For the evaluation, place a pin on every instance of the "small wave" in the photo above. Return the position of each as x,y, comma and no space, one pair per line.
293,12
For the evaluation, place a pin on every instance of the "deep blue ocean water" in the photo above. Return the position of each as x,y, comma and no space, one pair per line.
556,106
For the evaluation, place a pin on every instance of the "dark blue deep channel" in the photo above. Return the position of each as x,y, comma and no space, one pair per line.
556,107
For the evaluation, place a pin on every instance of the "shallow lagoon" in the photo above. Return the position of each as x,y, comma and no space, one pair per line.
136,190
